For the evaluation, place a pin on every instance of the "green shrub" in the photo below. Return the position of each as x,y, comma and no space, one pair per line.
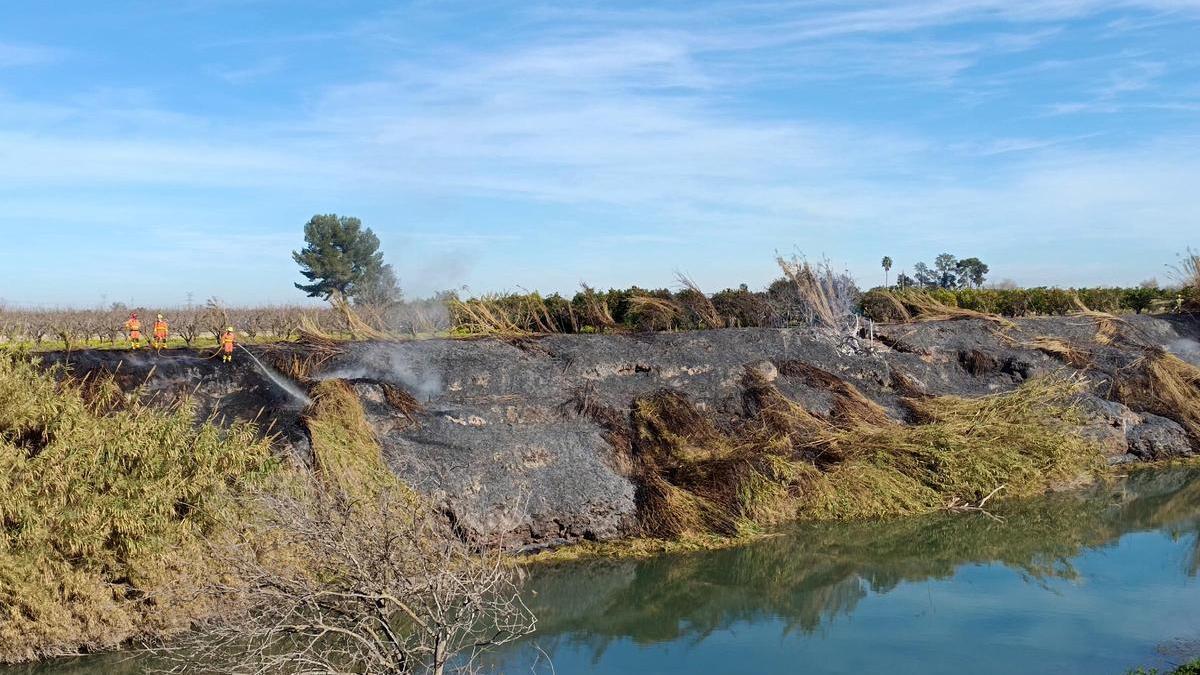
104,503
1040,301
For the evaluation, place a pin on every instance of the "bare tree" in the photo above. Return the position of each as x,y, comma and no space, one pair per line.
188,324
374,581
216,317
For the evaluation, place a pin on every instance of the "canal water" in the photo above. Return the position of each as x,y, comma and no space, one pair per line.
1095,582
1072,583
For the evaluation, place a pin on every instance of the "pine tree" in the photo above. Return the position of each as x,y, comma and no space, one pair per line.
339,256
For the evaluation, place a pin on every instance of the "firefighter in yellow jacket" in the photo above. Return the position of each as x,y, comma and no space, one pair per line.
134,328
161,330
228,342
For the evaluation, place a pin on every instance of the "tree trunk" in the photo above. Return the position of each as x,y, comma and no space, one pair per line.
439,657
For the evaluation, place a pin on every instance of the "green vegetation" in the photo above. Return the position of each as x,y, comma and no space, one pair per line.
948,272
804,295
880,304
345,452
1189,668
105,504
340,258
124,521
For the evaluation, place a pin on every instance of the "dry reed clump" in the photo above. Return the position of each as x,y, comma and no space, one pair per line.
104,511
700,304
655,313
1187,273
354,324
595,310
1163,384
1108,327
299,360
345,451
697,479
502,315
918,305
958,451
821,296
1060,349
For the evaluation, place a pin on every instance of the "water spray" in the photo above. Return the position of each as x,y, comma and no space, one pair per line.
284,383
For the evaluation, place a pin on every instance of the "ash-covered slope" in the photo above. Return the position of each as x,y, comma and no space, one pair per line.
530,442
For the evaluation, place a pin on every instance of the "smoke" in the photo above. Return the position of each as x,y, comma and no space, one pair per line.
421,380
1186,348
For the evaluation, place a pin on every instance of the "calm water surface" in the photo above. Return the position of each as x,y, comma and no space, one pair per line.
1092,583
1080,583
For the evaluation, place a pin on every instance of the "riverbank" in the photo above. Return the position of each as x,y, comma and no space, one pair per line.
650,443
535,443
1101,579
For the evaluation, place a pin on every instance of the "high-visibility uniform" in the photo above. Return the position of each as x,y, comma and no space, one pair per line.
160,333
134,328
228,341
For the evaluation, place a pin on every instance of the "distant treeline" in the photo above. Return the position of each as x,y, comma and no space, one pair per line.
812,297
781,304
1041,301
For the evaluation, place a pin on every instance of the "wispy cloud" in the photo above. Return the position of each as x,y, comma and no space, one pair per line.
252,72
731,129
14,55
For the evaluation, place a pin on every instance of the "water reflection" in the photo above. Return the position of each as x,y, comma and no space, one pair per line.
814,573
1089,594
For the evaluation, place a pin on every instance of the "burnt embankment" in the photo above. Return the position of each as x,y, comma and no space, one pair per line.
594,437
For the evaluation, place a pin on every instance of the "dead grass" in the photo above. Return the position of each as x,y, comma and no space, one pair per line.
1163,384
486,315
825,297
698,479
921,306
402,402
850,405
345,451
658,313
700,304
958,451
300,359
1060,349
1108,327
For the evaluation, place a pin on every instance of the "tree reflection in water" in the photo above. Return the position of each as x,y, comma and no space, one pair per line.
814,572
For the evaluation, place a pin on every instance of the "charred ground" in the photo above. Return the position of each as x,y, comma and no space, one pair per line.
540,442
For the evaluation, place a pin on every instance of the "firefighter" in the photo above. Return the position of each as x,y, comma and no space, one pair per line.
134,328
228,342
161,330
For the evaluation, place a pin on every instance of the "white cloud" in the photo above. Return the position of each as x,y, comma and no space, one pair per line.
13,55
642,116
252,72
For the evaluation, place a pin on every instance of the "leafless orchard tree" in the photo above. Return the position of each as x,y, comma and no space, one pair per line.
334,583
187,324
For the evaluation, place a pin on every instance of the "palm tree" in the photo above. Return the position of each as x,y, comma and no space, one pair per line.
887,265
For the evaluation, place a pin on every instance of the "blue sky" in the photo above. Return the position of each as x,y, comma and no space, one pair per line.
152,149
